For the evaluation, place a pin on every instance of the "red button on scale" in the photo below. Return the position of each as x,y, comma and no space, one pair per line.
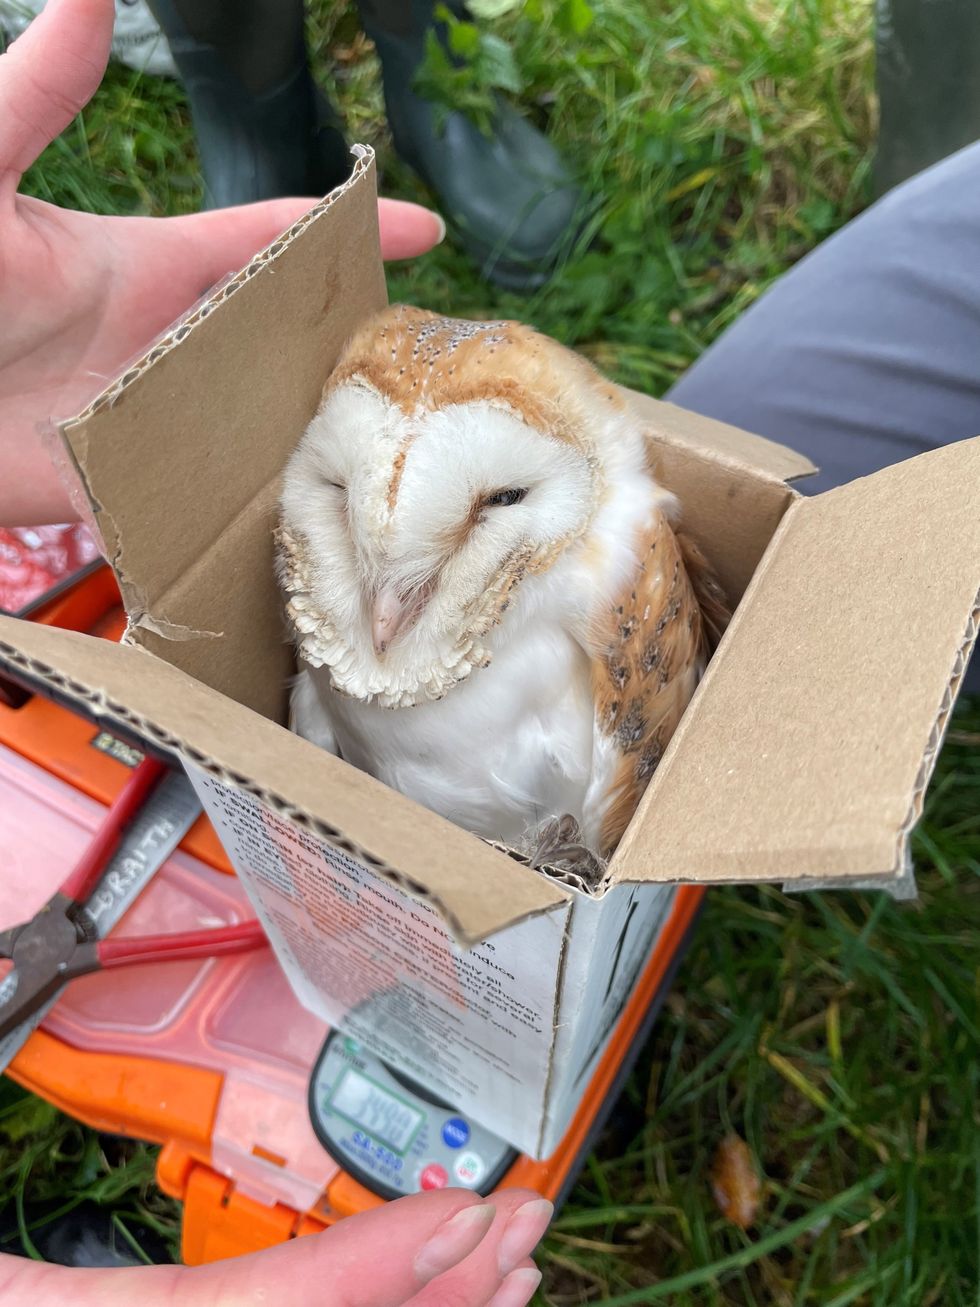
434,1177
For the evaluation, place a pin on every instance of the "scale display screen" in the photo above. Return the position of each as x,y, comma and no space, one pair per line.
389,1136
379,1113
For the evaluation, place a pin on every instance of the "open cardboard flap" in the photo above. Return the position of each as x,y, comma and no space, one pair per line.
180,458
805,755
476,889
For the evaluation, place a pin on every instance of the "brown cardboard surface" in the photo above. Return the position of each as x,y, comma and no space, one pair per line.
248,656
175,453
679,426
476,889
806,752
730,485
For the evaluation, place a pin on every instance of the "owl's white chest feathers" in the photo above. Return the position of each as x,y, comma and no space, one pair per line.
502,750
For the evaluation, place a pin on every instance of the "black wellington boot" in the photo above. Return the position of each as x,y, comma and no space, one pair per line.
928,80
263,129
509,197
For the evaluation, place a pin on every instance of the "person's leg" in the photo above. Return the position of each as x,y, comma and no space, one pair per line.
262,128
868,351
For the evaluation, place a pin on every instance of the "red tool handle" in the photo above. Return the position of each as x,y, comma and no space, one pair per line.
124,808
212,943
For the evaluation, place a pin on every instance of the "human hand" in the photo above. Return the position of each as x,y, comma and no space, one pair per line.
446,1246
80,293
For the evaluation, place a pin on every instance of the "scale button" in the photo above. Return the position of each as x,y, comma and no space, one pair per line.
470,1168
455,1132
434,1176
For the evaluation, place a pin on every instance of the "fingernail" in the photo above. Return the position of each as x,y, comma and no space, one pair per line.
454,1240
442,227
524,1230
517,1289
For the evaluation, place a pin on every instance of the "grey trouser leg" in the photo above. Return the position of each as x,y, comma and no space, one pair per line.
868,351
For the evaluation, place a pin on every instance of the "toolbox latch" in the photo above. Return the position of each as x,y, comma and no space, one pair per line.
221,1222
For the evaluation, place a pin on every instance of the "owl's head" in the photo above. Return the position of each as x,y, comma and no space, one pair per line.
449,464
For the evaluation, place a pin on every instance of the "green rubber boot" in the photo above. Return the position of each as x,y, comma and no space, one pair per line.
928,75
509,197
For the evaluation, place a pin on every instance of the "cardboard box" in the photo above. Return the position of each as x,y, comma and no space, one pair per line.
802,760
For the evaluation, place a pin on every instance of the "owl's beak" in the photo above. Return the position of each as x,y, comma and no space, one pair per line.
392,614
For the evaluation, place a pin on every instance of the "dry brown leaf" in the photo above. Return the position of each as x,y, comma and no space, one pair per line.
735,1182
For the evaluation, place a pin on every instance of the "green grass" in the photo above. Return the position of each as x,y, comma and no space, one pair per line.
837,1033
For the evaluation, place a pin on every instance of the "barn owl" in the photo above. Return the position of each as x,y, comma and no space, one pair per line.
492,608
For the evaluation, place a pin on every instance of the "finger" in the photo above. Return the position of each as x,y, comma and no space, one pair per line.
408,229
517,1288
370,1260
499,1264
223,240
48,75
380,1258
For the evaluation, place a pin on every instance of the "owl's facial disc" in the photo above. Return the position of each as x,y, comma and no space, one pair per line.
410,531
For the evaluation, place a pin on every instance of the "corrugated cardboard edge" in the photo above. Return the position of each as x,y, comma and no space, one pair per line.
900,881
555,1023
95,704
134,600
364,158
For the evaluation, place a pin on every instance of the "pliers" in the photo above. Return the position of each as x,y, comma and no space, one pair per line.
58,944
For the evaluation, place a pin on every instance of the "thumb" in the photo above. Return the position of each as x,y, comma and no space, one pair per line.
48,75
381,1258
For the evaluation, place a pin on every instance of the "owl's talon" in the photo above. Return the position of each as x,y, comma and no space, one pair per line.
557,843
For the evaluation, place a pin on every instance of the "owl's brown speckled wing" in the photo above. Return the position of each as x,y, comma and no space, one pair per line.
657,638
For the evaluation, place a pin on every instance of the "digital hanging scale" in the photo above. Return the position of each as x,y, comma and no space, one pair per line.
390,1134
